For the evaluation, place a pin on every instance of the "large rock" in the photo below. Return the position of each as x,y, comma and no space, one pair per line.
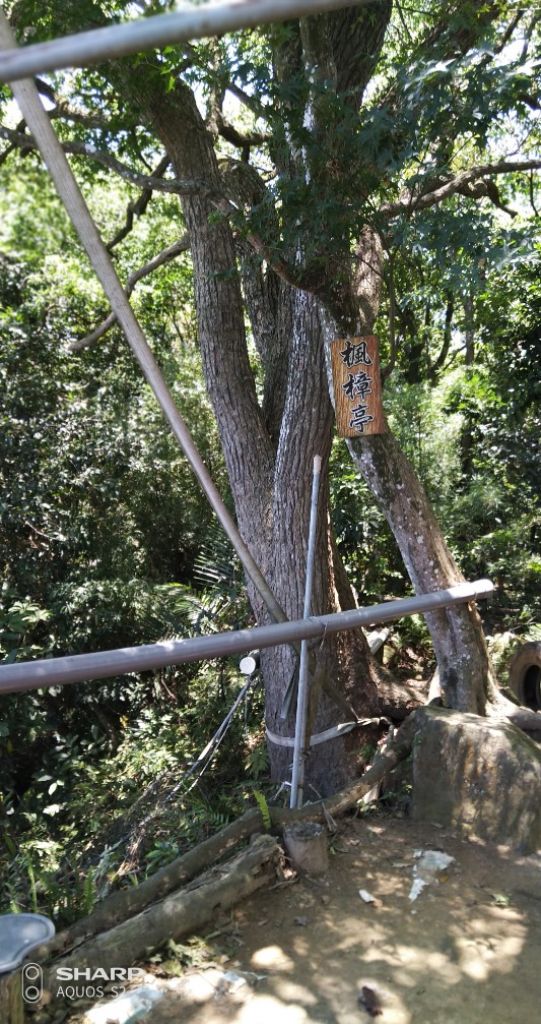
480,777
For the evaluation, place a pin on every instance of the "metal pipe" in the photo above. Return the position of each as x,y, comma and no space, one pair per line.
28,99
189,22
33,675
297,775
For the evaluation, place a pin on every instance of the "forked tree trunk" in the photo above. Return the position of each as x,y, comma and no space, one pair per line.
268,449
306,430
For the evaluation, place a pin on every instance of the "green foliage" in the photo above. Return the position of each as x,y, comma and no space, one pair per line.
367,547
17,623
256,762
105,539
263,809
99,514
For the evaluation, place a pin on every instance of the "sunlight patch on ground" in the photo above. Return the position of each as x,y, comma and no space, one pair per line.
268,1010
292,992
479,959
272,958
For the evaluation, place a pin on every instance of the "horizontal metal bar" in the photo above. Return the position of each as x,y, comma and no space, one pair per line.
33,675
188,22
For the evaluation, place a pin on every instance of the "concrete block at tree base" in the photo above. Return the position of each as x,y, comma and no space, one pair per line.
478,776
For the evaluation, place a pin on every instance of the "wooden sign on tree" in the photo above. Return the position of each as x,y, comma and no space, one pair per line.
357,386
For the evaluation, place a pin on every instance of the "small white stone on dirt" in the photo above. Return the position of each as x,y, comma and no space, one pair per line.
366,896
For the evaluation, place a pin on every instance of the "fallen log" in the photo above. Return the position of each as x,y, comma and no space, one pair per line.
179,915
127,902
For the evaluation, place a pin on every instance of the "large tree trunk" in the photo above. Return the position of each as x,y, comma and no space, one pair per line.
331,56
306,430
268,450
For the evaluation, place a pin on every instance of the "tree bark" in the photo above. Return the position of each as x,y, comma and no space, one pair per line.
459,644
11,1000
306,430
268,451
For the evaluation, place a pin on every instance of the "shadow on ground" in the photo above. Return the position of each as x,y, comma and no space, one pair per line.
467,951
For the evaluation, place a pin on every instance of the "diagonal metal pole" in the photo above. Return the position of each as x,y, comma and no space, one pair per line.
28,99
299,751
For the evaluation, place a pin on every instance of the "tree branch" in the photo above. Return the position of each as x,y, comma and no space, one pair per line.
461,183
532,196
393,341
439,363
165,256
284,270
137,207
232,134
446,40
174,186
536,18
251,102
62,109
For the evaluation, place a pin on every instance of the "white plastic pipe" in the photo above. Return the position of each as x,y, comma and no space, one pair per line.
33,675
188,22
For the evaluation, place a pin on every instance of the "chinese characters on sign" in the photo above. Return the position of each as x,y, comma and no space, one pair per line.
352,355
357,386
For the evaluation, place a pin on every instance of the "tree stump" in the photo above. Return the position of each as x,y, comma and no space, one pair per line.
306,844
11,1000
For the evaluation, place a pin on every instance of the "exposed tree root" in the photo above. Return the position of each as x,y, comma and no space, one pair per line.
503,709
499,707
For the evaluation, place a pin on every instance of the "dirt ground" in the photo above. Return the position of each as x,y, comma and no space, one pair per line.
468,950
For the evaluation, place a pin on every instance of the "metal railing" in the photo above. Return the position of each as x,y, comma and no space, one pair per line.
189,22
35,675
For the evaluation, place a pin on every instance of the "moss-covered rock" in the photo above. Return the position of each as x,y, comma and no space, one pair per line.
478,776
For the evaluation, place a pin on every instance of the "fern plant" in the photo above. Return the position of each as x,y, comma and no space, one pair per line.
261,801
